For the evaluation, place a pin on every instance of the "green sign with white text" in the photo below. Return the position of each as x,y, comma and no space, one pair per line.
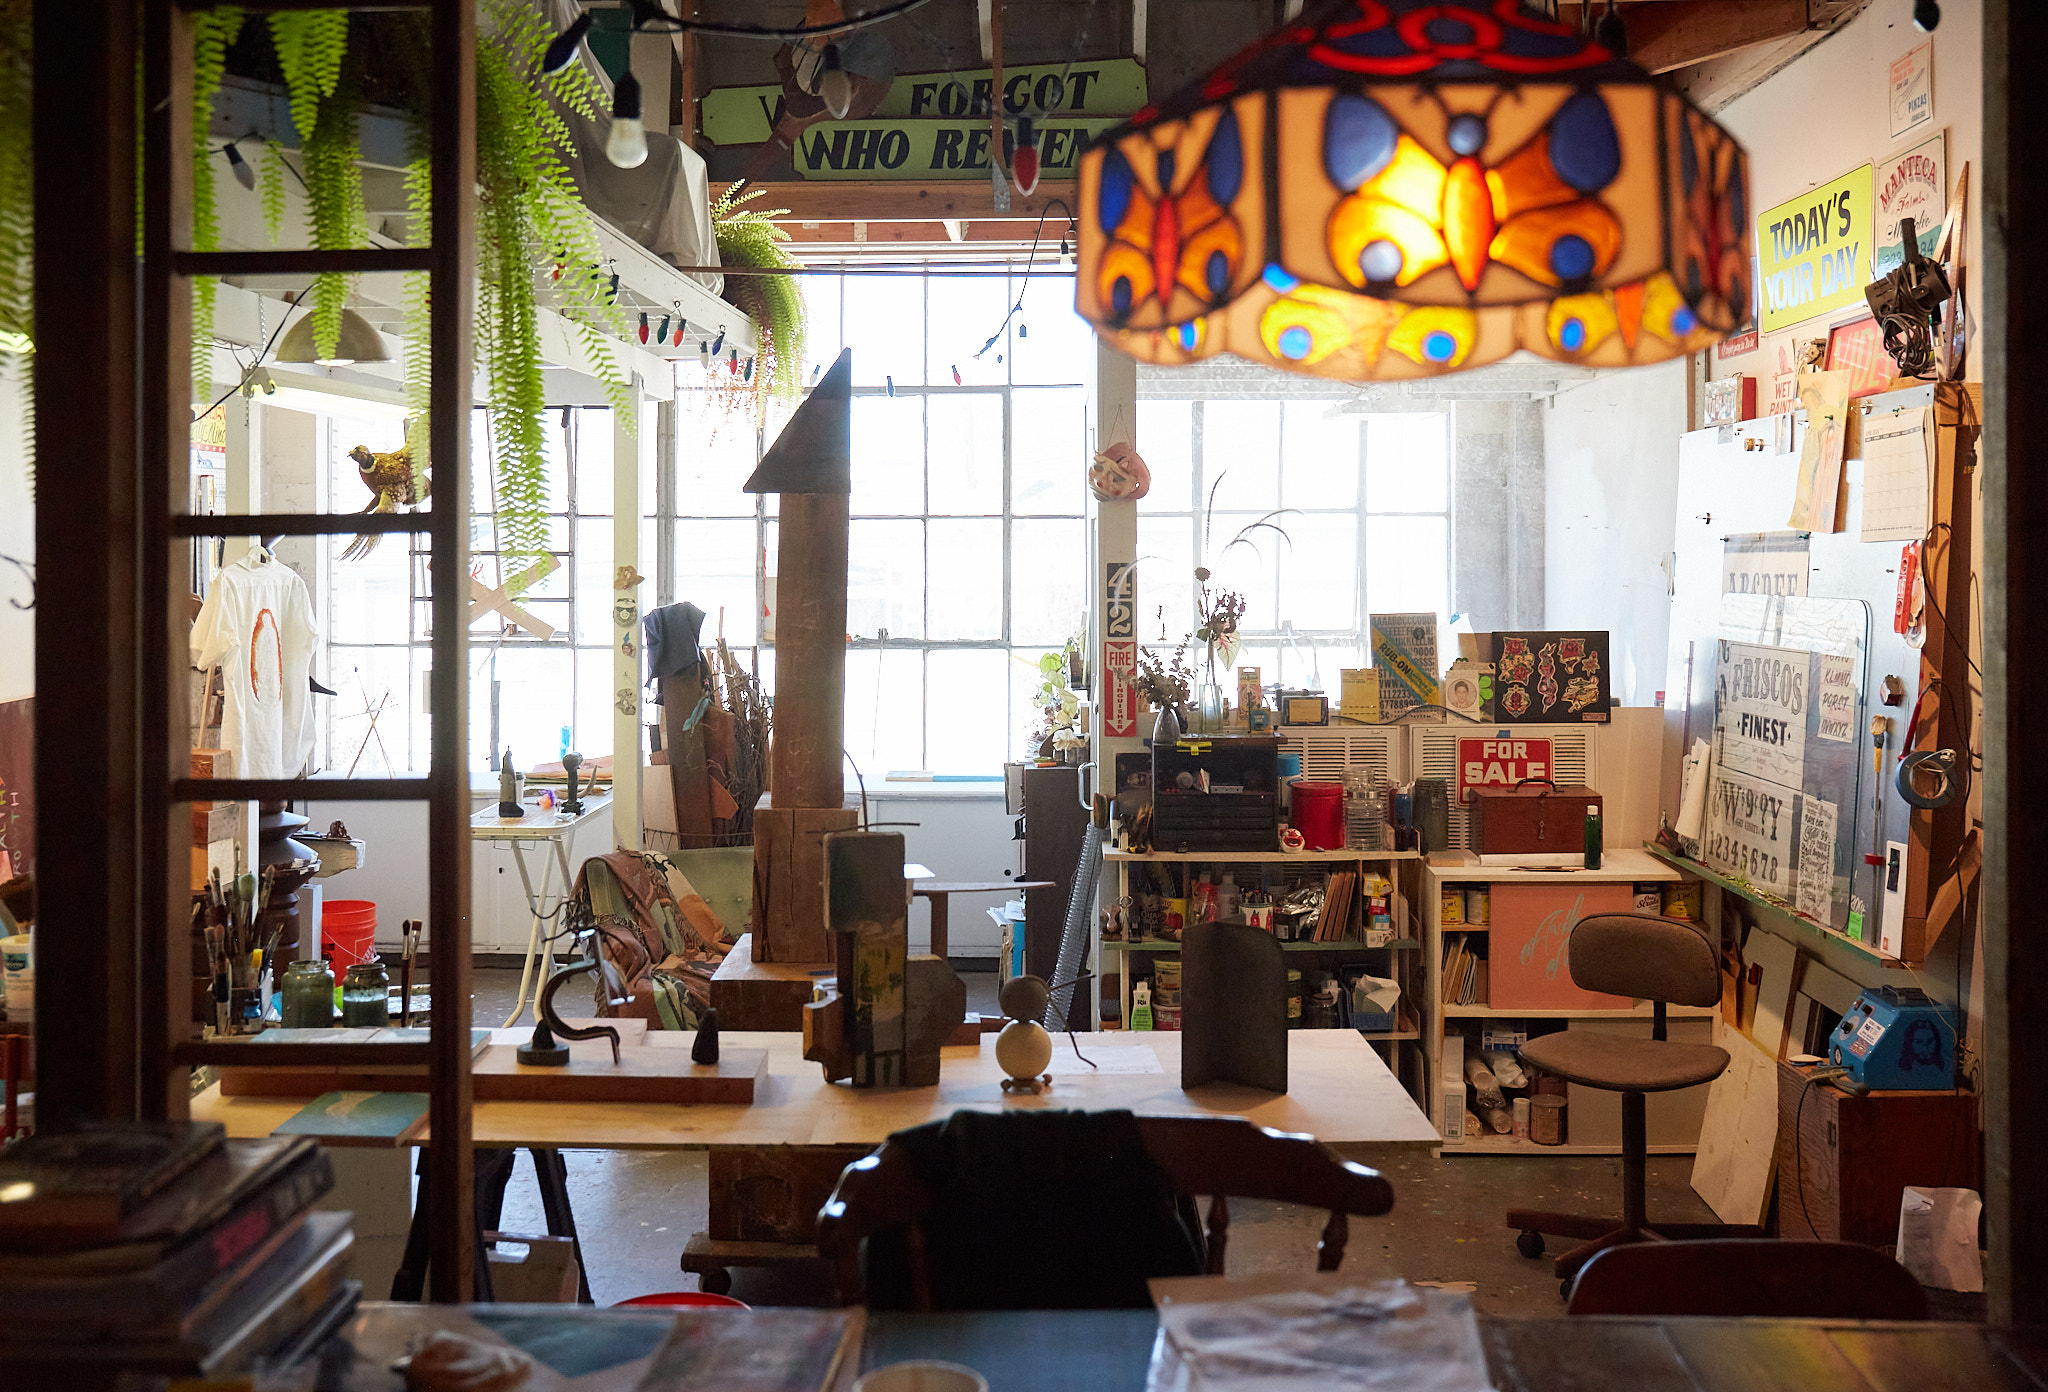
936,125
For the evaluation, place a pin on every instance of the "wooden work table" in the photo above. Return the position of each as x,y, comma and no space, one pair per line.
1339,1091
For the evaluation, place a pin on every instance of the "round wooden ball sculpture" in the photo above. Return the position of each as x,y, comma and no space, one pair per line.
1023,1049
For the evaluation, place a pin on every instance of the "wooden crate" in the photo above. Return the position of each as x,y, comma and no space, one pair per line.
1844,1162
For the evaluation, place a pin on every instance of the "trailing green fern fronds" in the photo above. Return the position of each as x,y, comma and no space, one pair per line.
212,32
312,46
270,188
749,237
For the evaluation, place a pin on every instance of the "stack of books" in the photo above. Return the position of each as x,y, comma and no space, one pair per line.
165,1248
1464,978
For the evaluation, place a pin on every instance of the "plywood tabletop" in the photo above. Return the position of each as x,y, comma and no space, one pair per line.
1339,1091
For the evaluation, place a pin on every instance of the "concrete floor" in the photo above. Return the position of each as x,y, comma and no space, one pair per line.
636,1209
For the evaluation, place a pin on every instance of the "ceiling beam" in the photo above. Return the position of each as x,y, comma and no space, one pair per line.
1679,33
881,200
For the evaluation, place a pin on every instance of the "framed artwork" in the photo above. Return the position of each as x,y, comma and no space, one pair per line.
1550,677
1857,348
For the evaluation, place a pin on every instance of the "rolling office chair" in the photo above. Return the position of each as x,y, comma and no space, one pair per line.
1669,961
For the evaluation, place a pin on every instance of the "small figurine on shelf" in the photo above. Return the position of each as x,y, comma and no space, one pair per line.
1023,1049
572,763
508,788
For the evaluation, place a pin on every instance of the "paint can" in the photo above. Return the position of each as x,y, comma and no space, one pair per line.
1546,1119
1318,815
1649,899
1521,1108
1453,906
1478,905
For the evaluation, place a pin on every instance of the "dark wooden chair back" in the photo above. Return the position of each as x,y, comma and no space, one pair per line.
1738,1277
1645,956
1220,1157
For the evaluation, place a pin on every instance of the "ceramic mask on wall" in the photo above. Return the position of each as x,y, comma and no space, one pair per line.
1118,474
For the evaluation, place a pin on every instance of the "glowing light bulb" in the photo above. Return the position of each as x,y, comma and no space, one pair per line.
835,87
626,146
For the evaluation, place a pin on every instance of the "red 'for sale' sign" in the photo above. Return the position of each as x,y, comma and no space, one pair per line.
1500,763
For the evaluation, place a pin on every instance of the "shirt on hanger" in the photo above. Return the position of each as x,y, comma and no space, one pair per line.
257,623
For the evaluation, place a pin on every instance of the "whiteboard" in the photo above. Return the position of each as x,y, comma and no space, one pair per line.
1724,489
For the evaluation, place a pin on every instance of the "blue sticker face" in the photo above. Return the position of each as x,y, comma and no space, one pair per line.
1225,160
1572,335
1683,320
1114,191
1381,260
1358,140
1279,279
1467,133
1439,346
1216,272
1120,296
1571,257
1295,342
1584,148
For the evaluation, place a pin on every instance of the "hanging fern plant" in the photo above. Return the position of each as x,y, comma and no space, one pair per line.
749,237
212,32
528,213
17,203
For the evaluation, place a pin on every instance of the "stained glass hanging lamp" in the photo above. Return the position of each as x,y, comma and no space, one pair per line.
1392,189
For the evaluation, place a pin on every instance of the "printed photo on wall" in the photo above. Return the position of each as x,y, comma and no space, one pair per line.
1550,677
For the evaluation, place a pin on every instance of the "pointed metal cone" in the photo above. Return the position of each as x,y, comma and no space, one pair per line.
813,454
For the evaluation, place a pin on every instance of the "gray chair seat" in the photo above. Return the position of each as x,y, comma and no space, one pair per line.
1625,1063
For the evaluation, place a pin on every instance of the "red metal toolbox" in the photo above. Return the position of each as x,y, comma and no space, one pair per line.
1535,817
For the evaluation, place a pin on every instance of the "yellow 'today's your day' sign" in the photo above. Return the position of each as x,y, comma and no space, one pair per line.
1814,251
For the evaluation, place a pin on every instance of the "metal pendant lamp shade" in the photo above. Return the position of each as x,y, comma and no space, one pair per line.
1392,189
357,342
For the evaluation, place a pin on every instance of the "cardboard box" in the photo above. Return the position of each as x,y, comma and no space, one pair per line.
216,821
214,855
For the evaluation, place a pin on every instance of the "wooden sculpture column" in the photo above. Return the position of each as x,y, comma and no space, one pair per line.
810,466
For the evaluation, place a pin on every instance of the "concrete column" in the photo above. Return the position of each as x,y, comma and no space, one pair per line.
629,448
1113,598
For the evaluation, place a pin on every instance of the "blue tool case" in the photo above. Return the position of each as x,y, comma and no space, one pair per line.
1896,1038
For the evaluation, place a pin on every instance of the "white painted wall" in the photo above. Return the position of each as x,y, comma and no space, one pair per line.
1827,113
1610,486
1611,445
18,539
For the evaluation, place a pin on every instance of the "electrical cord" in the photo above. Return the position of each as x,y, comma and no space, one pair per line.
249,372
1030,266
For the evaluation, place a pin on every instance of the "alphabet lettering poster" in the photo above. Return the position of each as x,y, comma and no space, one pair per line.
1749,831
1760,716
1814,252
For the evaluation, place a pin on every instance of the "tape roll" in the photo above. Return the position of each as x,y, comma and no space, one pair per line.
1939,765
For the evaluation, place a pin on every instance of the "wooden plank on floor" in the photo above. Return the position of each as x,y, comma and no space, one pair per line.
1738,1139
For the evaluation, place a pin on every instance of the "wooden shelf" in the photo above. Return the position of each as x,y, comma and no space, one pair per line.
1757,896
1617,865
1641,1012
1258,857
1519,1145
1160,945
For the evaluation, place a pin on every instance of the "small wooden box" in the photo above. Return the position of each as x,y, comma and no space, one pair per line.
1531,819
1844,1162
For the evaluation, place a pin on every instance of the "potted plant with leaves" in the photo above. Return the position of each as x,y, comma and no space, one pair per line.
749,239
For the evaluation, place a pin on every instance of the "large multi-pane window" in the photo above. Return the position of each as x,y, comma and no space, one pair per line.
537,694
1316,515
967,558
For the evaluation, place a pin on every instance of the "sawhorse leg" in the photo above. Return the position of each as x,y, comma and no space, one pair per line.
527,974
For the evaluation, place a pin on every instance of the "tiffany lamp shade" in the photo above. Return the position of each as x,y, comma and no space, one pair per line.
1401,188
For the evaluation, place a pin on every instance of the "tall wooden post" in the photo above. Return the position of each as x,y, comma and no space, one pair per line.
811,466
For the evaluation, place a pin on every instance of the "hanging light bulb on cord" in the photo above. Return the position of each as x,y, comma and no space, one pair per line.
1024,158
835,84
562,51
626,146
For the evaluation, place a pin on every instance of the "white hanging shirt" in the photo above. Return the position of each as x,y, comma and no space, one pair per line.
257,623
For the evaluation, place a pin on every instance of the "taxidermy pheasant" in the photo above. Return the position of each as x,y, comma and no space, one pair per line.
389,478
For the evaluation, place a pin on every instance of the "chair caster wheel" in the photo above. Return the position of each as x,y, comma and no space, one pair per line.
1529,1244
717,1281
1564,1289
